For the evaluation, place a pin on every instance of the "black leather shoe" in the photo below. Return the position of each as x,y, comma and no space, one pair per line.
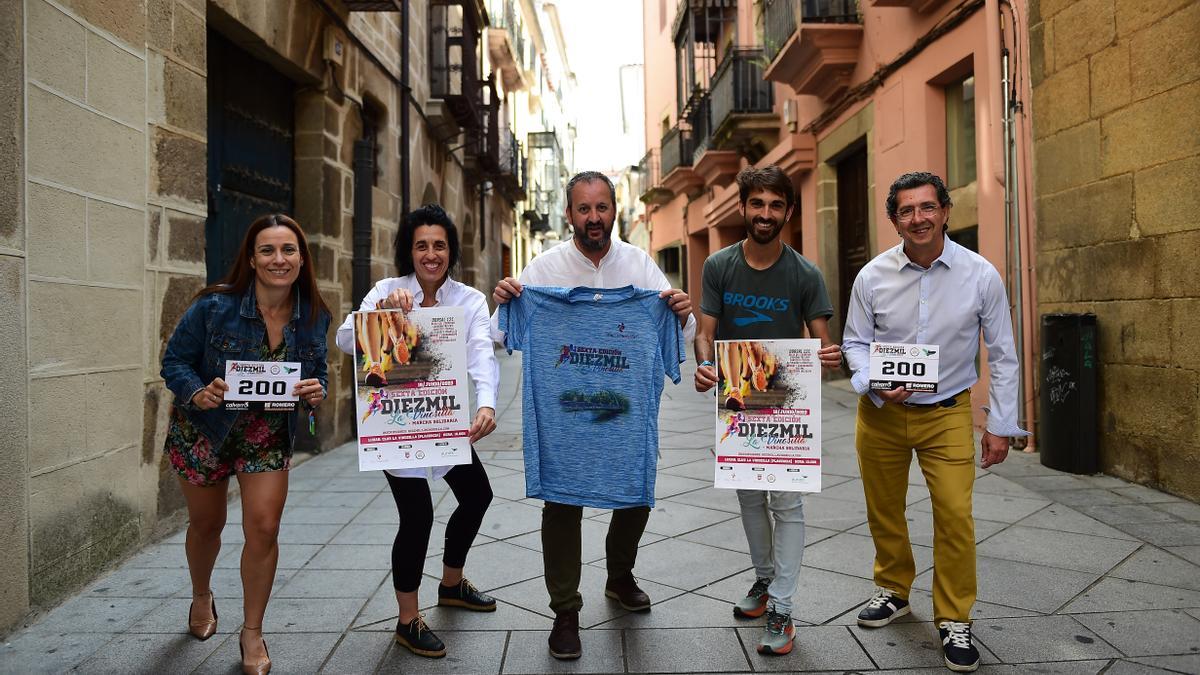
625,591
418,639
465,595
564,637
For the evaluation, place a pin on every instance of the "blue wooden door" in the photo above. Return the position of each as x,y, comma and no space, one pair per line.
250,147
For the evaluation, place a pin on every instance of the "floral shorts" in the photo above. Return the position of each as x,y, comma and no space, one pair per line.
257,442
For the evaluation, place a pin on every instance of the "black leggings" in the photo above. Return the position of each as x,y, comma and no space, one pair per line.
471,488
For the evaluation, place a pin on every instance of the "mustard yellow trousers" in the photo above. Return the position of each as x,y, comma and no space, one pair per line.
944,442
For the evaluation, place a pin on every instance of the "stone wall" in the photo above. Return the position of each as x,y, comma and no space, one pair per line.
14,403
1116,105
88,185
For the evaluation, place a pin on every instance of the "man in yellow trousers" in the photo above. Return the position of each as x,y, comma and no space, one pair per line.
928,290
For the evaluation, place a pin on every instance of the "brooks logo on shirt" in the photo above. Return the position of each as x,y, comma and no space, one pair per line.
753,303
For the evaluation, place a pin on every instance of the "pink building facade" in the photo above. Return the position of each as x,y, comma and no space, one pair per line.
844,96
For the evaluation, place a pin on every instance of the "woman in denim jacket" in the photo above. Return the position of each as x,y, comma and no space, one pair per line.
267,308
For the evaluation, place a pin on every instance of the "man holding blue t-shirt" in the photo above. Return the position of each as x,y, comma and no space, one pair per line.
591,259
763,289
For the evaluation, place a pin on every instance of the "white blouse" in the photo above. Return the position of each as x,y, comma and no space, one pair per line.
481,357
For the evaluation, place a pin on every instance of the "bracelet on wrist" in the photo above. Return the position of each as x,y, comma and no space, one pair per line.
705,363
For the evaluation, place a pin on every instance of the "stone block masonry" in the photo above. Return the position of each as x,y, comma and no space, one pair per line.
1116,104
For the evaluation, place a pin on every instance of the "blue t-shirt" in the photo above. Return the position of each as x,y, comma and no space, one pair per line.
593,366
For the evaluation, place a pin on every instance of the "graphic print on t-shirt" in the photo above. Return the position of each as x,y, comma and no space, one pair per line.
593,362
603,404
749,308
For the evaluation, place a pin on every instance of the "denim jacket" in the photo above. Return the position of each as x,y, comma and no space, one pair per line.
222,326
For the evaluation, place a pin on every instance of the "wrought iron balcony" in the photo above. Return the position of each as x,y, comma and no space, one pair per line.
742,101
373,5
544,180
650,189
922,6
698,115
814,53
453,78
779,19
482,150
506,43
510,176
676,150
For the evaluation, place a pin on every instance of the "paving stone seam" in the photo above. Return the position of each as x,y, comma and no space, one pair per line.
1051,505
214,652
1095,583
1166,668
504,651
861,646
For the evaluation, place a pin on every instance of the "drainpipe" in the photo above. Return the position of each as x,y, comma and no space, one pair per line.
364,179
1012,220
405,133
993,30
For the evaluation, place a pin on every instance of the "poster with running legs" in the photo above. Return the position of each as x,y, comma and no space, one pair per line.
411,398
768,414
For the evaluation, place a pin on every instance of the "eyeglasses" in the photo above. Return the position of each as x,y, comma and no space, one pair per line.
906,214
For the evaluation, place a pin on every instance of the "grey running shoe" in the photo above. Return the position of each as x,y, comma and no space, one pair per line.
755,603
777,635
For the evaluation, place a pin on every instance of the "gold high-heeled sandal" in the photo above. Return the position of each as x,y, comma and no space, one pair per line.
204,628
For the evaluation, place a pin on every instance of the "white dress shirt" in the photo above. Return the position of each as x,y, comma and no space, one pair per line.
948,304
565,266
481,356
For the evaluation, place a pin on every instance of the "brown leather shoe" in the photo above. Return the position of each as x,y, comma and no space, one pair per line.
564,637
625,591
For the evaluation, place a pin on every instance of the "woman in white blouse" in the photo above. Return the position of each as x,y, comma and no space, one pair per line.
427,248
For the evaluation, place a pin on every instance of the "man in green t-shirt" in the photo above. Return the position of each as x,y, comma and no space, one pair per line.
762,289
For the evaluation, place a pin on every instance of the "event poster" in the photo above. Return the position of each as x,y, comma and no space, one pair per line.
412,404
768,415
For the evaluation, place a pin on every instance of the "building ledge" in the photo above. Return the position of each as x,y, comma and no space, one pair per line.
921,6
683,180
657,196
818,59
750,134
502,55
442,118
795,155
718,167
725,208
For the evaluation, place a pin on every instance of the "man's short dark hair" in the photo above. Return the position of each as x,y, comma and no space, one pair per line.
430,214
912,180
769,177
587,177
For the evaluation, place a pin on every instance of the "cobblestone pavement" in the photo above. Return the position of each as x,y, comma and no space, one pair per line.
1076,575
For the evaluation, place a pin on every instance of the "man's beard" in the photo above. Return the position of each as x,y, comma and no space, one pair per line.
587,242
761,239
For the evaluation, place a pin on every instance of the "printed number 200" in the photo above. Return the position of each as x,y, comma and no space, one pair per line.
263,387
903,368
